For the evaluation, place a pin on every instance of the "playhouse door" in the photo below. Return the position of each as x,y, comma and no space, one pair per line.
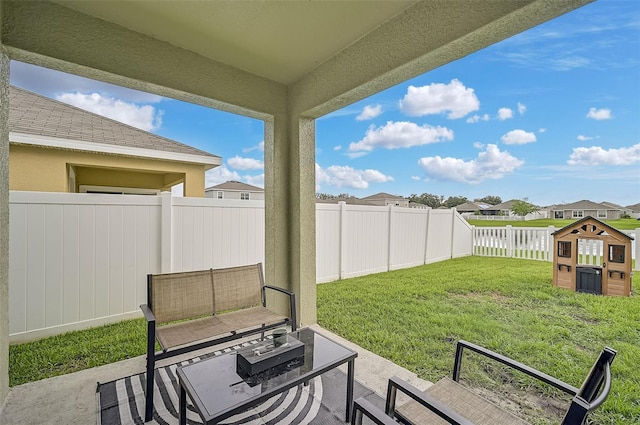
589,279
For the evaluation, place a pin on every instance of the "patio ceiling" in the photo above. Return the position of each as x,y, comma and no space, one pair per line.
333,52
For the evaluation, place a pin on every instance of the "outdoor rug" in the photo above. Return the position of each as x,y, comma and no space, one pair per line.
322,402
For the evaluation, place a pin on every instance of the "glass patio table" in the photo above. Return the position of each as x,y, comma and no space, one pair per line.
219,392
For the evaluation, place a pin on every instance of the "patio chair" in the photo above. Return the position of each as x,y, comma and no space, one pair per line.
449,402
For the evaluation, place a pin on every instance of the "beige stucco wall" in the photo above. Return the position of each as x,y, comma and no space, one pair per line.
4,226
47,170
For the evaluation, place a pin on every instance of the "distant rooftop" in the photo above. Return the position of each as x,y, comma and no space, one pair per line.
37,115
234,185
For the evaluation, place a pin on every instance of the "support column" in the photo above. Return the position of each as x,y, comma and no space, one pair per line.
290,240
4,226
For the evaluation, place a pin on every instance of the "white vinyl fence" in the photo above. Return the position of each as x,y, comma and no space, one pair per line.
80,260
536,243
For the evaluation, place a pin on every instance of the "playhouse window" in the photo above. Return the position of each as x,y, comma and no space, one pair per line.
616,253
564,249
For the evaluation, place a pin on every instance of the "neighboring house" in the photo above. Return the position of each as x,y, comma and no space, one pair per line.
586,208
235,190
387,199
55,147
472,208
419,206
500,209
349,201
634,210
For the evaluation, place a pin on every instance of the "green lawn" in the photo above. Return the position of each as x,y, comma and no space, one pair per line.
621,224
414,317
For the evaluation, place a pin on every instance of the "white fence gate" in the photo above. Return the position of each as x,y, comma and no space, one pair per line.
80,260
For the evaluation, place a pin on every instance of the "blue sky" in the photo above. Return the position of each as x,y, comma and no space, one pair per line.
552,115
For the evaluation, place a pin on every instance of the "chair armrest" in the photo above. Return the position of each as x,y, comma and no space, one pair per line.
148,314
541,376
363,407
396,384
292,304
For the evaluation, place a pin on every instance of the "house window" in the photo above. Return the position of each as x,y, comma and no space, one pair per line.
578,214
244,196
616,253
558,214
602,214
564,249
220,195
111,190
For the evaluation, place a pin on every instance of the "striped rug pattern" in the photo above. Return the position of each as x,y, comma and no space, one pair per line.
121,402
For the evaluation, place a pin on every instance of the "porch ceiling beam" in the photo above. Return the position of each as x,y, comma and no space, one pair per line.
54,36
423,37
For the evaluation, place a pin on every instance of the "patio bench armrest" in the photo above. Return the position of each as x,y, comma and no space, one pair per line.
292,303
541,376
397,384
148,313
363,407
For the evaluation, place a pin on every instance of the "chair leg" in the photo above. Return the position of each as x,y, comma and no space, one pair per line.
148,411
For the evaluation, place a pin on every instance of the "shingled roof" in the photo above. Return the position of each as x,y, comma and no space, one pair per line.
235,185
35,115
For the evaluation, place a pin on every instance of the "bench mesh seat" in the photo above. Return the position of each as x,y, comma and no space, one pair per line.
182,333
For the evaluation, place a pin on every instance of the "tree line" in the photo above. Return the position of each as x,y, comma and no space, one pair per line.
519,207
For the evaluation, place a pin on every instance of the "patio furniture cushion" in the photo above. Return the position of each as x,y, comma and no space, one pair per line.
463,401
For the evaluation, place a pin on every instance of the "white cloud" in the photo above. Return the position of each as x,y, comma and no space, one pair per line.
542,130
505,114
518,137
219,175
492,164
595,155
259,146
476,118
402,134
345,176
478,145
584,138
49,82
144,117
337,148
438,98
416,178
369,112
240,163
599,114
521,108
255,180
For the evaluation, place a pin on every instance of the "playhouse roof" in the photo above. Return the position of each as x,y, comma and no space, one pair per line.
580,223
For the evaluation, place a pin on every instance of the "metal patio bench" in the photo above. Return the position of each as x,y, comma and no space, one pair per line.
199,309
449,402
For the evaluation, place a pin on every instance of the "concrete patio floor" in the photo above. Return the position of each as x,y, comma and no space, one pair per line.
71,399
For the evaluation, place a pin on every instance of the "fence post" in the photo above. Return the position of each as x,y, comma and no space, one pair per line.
510,241
453,231
426,236
389,236
343,239
550,248
637,237
166,230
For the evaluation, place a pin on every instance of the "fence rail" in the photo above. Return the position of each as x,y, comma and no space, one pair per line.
536,243
80,260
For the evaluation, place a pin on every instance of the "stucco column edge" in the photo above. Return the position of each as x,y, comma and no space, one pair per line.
4,226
